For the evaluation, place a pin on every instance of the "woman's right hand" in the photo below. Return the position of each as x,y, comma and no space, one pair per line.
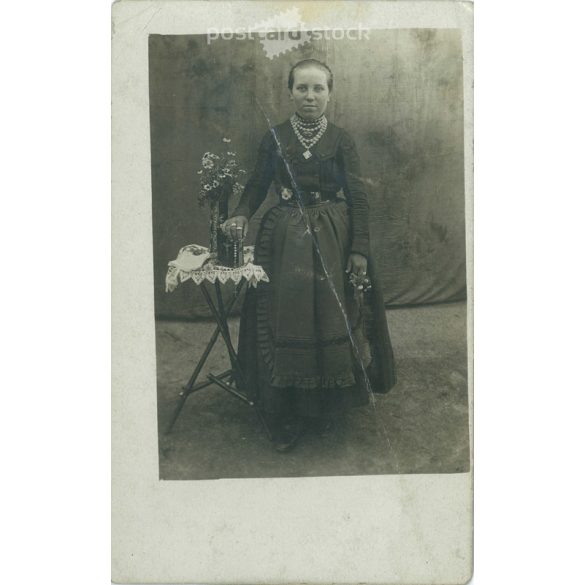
235,227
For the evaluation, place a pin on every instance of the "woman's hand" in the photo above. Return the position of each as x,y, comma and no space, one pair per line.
235,227
357,264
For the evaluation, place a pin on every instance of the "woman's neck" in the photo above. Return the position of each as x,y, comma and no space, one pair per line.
309,121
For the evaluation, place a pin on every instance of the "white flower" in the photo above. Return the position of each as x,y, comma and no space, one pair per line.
215,184
231,153
227,139
207,187
199,172
207,164
286,194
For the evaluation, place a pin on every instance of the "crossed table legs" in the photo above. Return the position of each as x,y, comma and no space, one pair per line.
232,380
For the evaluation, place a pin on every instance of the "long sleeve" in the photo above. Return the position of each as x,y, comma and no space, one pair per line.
356,194
259,182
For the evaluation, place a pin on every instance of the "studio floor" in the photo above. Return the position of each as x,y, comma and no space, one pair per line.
421,426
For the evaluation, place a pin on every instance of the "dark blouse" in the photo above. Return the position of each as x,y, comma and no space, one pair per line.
334,166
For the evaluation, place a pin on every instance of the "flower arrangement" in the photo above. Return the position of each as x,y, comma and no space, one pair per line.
219,176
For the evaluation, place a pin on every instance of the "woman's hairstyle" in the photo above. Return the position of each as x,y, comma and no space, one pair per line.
305,64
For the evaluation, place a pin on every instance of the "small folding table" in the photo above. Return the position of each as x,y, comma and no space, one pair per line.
195,263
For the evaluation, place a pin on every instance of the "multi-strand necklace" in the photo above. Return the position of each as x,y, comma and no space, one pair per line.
308,132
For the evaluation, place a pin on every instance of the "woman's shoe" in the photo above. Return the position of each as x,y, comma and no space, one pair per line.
288,435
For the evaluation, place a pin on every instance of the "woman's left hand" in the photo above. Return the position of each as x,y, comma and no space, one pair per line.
357,264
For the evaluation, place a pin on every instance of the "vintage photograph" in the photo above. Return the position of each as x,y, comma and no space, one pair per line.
309,252
292,292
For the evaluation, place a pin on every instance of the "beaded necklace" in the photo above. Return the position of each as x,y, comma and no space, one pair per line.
308,132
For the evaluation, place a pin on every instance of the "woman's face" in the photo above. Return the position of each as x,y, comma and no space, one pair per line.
310,92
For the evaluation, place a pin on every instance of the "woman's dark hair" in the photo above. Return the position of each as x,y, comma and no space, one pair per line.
304,64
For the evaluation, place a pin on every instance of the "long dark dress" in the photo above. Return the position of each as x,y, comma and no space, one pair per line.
309,346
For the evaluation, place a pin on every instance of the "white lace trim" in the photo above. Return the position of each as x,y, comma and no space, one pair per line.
193,263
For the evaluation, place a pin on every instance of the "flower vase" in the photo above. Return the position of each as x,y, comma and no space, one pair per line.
213,227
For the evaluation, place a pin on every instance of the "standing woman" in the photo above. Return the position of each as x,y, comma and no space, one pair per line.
313,341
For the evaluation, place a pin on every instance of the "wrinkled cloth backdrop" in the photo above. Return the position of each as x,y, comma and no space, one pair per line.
399,94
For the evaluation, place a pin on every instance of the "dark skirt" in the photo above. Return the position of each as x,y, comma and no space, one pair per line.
308,344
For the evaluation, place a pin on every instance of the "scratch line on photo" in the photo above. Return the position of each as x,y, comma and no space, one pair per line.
353,342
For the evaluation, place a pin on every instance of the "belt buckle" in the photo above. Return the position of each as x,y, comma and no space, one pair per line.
315,196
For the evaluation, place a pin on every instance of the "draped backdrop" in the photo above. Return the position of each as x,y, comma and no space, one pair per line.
399,94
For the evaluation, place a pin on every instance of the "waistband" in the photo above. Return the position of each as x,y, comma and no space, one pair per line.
309,198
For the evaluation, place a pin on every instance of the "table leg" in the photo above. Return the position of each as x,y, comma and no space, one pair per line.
221,316
221,310
236,368
222,322
190,387
267,429
229,388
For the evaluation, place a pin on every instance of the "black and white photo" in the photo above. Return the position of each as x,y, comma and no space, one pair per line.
339,165
293,292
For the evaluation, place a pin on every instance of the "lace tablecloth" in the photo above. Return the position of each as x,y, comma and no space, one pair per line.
194,262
